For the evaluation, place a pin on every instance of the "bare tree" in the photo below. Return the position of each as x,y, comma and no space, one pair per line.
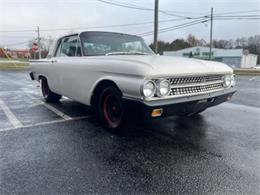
192,40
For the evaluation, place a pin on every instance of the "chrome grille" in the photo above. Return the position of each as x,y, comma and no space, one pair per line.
195,79
195,85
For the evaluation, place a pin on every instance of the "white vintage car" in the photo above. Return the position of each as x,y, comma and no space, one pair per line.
119,75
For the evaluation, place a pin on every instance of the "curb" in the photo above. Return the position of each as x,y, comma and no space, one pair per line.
250,72
10,66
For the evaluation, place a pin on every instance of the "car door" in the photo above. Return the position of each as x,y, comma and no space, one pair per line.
65,65
53,70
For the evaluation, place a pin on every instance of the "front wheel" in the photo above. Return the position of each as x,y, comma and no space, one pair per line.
110,109
48,95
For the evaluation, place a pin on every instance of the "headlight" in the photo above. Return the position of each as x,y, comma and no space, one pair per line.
229,80
149,89
163,88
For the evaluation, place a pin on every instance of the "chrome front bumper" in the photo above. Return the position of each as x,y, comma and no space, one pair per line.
176,106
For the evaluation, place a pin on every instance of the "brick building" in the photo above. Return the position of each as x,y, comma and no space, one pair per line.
18,53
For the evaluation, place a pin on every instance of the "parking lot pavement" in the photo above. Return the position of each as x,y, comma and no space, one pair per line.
61,148
248,91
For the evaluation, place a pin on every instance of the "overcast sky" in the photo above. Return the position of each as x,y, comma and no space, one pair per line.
53,14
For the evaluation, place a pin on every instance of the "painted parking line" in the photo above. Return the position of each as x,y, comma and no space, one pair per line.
48,122
253,78
10,115
55,110
50,107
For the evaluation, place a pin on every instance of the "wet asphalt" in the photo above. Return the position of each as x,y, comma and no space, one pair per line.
62,153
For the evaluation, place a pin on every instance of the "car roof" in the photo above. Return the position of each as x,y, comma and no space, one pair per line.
80,32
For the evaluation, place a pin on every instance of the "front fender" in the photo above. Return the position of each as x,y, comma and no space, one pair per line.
129,85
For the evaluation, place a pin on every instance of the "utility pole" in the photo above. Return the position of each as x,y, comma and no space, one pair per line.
155,40
211,25
39,42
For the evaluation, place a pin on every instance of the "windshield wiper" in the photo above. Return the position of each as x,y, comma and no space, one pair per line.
126,53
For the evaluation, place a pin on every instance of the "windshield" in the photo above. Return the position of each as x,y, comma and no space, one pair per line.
105,43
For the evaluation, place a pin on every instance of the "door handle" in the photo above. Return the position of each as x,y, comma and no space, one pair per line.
53,61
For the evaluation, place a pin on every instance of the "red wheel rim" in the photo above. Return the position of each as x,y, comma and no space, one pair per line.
112,110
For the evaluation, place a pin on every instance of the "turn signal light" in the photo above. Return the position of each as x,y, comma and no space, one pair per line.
157,112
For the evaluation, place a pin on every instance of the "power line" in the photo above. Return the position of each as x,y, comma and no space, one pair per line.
126,5
174,27
167,30
185,25
171,13
235,12
182,12
167,11
93,27
252,17
176,15
147,33
255,18
187,12
132,6
111,26
190,24
233,16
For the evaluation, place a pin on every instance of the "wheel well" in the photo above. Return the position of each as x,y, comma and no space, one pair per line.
99,87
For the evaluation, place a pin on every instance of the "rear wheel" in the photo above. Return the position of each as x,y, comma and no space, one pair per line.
48,95
110,109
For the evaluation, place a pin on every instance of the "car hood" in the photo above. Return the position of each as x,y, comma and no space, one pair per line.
154,65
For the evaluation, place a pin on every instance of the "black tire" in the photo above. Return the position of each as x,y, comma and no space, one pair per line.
110,109
48,95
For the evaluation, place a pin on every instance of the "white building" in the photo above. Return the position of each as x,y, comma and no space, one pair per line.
249,61
231,57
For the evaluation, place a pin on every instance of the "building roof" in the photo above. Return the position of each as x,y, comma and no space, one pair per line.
216,51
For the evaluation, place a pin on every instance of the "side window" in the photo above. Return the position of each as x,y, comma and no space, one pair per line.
69,47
